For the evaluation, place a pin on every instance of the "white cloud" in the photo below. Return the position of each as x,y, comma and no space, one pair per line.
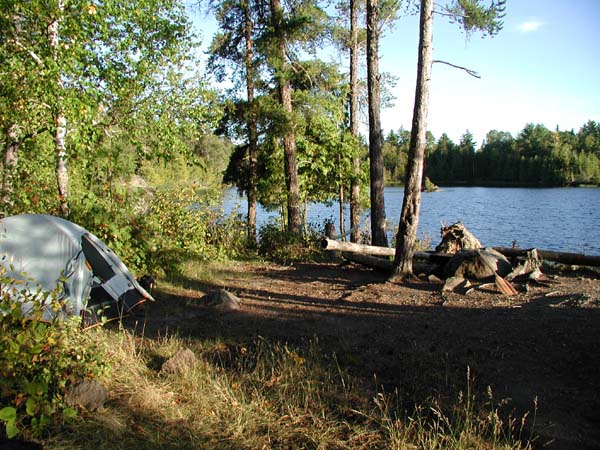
530,25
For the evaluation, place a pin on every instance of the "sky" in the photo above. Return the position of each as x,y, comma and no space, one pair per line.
542,68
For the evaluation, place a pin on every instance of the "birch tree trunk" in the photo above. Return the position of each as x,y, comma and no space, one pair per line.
9,161
378,234
354,184
60,120
411,205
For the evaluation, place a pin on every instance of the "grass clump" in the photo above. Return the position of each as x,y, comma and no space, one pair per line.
468,423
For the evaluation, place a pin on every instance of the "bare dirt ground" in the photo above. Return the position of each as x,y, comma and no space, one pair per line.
541,347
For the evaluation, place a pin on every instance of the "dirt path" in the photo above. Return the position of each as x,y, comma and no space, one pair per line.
542,346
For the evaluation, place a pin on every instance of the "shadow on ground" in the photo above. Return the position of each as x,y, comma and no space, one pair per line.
528,349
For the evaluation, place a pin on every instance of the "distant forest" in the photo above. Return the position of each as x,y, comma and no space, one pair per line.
537,156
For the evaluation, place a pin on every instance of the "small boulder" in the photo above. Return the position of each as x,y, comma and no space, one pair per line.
87,394
221,300
452,283
180,362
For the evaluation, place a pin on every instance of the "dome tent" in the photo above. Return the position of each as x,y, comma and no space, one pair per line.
47,253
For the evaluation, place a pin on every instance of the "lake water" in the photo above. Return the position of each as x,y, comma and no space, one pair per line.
563,219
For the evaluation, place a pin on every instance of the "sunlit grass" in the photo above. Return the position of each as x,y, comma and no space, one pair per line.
267,395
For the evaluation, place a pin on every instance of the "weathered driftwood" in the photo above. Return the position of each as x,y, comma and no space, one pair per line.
578,259
363,249
385,265
478,264
370,261
530,266
503,285
456,237
575,259
330,244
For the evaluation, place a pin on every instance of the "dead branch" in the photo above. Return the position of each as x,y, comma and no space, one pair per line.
469,71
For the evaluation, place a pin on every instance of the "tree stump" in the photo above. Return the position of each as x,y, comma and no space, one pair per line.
455,238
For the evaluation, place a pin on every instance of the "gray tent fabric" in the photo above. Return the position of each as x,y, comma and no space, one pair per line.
49,253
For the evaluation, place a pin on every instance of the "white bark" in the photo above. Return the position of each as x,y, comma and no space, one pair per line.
60,120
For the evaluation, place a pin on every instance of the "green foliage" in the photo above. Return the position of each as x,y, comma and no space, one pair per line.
186,222
276,244
38,360
120,75
473,16
537,156
429,186
324,148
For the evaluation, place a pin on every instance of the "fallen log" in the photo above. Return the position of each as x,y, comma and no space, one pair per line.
373,262
575,259
351,247
385,265
363,249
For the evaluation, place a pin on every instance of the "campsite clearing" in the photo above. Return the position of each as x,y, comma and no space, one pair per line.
538,351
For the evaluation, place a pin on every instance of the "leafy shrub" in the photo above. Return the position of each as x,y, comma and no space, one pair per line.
429,186
156,231
186,222
38,360
276,244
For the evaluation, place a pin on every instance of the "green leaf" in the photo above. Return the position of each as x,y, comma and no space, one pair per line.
69,413
30,406
8,413
11,429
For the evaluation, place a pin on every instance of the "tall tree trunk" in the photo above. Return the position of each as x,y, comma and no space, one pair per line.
411,205
342,198
60,121
289,138
9,161
378,234
354,183
251,125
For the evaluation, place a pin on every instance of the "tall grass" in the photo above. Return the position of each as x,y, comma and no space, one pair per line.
264,395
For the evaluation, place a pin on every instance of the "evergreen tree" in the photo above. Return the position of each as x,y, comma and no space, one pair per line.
239,23
378,225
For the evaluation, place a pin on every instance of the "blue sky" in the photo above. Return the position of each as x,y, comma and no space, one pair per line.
543,67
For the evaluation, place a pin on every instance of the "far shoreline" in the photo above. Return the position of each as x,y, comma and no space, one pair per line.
499,184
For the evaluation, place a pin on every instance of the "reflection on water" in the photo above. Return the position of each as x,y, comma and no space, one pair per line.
564,219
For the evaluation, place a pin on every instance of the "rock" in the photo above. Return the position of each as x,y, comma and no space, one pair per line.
433,278
455,238
180,362
221,300
87,394
452,283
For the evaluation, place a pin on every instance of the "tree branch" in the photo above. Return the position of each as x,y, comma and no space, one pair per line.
469,71
31,53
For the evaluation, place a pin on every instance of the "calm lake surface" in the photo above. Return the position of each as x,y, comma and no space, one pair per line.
563,219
